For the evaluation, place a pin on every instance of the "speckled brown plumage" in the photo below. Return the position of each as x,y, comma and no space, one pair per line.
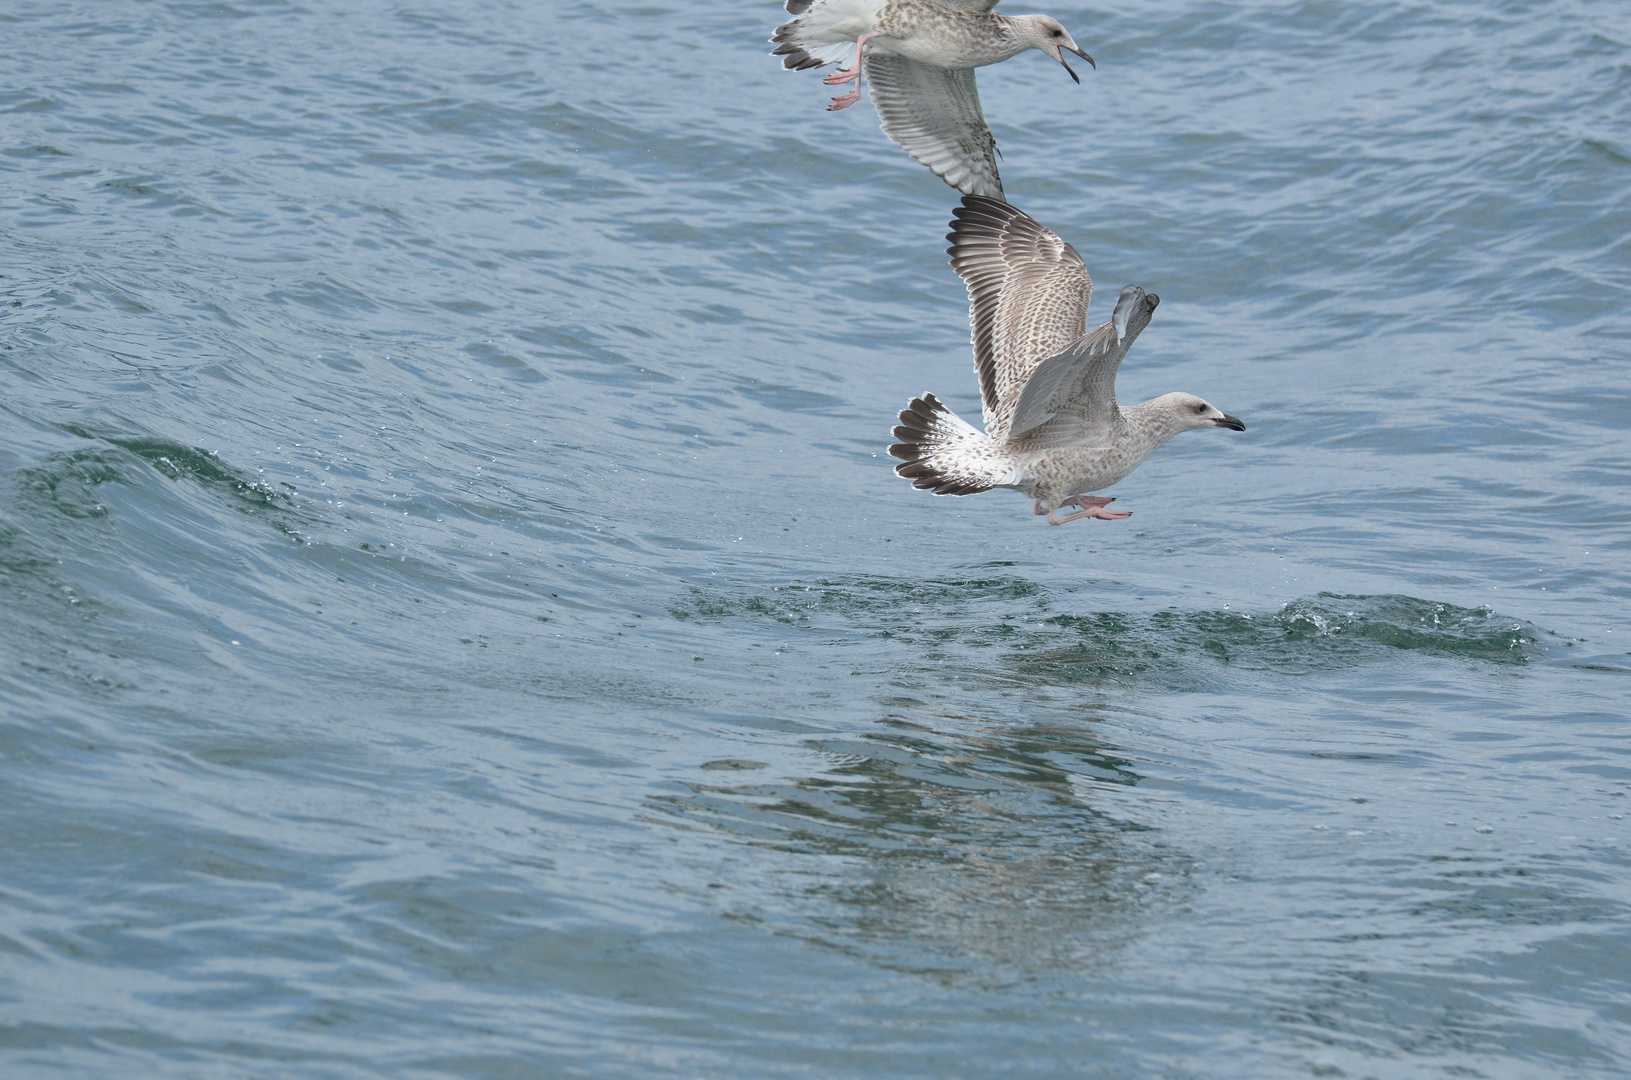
1053,427
920,57
1028,295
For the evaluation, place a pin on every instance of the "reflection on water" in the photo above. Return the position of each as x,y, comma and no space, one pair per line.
955,847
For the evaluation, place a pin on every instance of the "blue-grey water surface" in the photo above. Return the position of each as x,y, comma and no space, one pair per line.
457,617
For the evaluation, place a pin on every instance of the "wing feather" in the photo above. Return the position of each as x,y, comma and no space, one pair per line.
1039,401
934,115
1070,398
1028,295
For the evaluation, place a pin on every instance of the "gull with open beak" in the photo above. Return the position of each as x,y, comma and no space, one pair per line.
920,56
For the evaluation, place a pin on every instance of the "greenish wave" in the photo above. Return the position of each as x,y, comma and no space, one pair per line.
1024,622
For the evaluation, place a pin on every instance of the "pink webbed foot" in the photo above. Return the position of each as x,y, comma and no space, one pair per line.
1089,512
1092,506
850,74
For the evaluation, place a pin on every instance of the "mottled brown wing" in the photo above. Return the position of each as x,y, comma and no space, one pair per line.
1028,294
1070,398
934,114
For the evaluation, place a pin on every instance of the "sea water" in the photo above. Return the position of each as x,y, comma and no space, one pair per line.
458,618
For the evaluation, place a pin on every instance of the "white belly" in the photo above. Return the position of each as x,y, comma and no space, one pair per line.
832,22
1052,475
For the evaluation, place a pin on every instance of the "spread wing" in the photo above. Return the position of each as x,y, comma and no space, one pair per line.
934,114
1070,399
1028,293
799,7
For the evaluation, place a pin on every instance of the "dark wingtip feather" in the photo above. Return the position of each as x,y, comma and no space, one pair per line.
976,201
979,211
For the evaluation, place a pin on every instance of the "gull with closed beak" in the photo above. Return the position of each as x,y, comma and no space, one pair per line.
1053,429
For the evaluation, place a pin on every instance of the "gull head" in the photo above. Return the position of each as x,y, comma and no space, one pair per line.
1186,411
1044,33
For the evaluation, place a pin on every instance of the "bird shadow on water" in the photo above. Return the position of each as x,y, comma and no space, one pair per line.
977,846
950,848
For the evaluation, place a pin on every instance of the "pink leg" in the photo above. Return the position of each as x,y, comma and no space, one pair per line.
1092,512
1082,502
844,101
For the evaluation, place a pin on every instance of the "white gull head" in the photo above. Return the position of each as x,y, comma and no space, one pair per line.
1044,33
1185,412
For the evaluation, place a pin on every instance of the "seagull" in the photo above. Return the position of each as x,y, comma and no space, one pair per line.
920,57
1053,429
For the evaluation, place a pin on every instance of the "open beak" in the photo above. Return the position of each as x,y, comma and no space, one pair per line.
1078,52
1233,423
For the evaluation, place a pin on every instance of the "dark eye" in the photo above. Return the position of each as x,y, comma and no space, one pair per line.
1200,408
1058,33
